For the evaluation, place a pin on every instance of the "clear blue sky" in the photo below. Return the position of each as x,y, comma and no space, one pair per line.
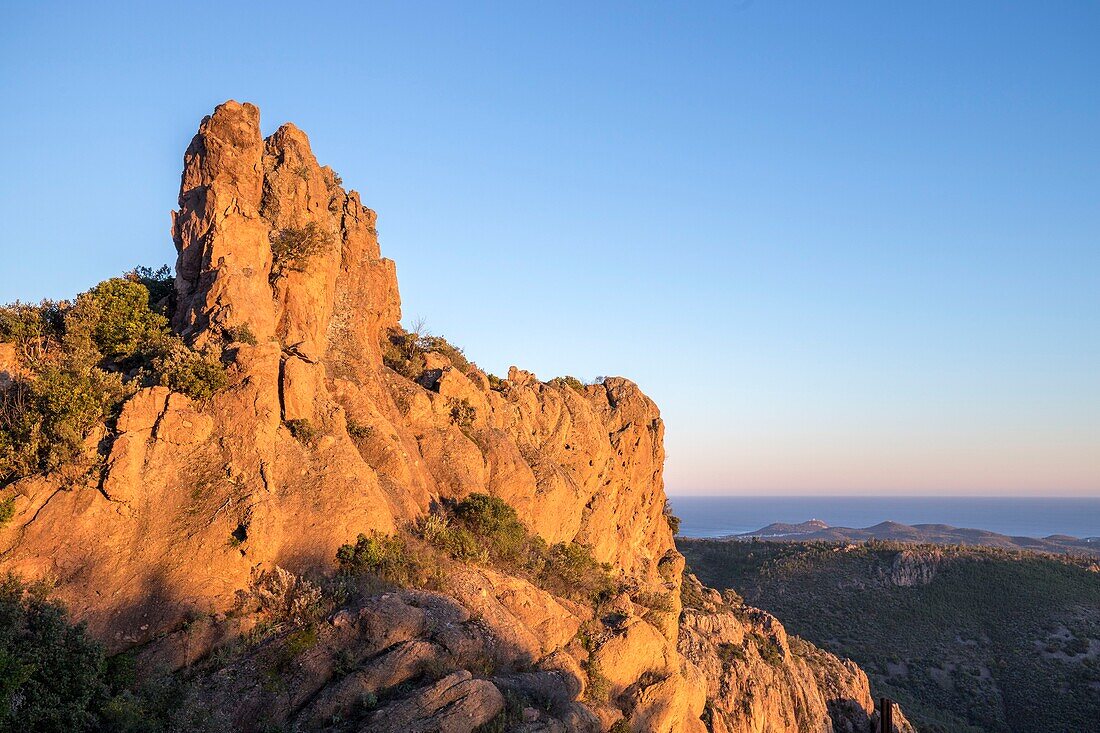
847,247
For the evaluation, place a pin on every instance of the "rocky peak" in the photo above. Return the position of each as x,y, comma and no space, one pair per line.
317,438
269,243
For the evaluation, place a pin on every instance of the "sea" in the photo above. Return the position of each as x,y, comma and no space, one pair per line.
715,516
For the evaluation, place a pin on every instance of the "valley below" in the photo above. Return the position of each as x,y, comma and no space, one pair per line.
966,638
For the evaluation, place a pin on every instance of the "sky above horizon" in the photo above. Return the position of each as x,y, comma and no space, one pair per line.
848,248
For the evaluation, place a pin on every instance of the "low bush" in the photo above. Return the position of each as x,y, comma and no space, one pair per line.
359,431
44,418
55,678
463,413
286,600
160,283
303,431
494,522
403,351
385,556
453,538
672,519
189,372
23,323
571,570
440,345
663,602
487,529
80,360
768,648
599,687
478,529
568,381
292,248
116,317
241,334
730,653
51,672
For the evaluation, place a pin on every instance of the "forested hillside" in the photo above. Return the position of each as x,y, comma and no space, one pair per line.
967,639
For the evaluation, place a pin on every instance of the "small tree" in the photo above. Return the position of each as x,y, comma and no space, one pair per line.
293,247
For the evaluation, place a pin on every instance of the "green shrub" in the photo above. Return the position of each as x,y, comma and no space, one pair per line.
404,351
189,372
240,334
81,360
440,345
303,431
730,653
113,324
7,510
572,570
160,283
301,640
672,519
22,323
385,556
401,353
51,672
599,687
454,539
55,678
359,431
495,382
292,248
484,528
463,413
116,316
568,381
768,648
495,522
663,602
44,419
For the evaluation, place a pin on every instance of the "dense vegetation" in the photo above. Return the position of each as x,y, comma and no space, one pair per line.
54,678
78,360
480,529
996,641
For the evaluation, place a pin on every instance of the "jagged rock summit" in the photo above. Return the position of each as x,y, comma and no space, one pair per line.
318,437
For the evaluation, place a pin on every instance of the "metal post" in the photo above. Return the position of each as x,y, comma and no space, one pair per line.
886,715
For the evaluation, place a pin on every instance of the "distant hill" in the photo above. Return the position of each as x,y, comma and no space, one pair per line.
970,639
937,534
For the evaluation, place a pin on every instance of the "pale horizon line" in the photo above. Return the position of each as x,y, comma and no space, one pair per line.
782,495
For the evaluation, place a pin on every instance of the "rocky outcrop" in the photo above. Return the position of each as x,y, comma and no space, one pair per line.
914,567
316,440
760,679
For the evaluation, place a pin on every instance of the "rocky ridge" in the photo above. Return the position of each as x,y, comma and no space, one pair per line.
316,440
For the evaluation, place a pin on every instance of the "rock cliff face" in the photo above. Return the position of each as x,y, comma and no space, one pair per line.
316,440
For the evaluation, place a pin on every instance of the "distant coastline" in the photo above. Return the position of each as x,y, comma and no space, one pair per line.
721,516
936,534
